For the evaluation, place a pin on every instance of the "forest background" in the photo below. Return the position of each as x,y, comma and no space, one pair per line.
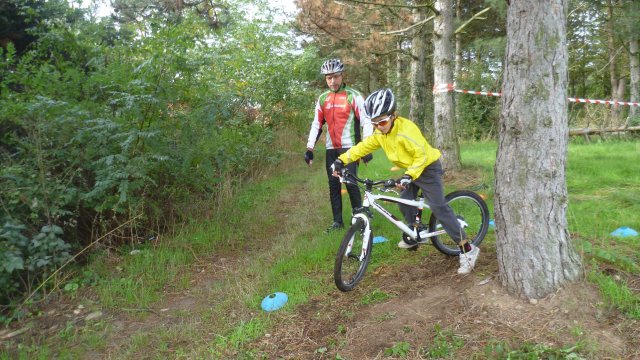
115,130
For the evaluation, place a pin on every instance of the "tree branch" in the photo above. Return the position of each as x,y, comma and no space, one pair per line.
428,6
588,131
401,31
475,16
342,40
403,52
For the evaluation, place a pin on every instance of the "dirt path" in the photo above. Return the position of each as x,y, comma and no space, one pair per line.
474,309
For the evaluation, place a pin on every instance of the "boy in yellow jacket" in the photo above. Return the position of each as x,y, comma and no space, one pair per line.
406,147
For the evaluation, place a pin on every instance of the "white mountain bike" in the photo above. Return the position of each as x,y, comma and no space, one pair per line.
355,249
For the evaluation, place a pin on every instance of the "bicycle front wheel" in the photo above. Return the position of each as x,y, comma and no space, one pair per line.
353,256
472,212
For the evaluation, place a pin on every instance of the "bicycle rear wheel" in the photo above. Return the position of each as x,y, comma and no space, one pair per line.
472,210
352,258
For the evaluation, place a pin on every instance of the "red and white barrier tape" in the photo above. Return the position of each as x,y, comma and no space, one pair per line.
486,93
444,88
608,102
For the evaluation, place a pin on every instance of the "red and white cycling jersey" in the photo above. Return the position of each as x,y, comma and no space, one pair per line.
343,112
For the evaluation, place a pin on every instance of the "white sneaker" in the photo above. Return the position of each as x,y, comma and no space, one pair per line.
403,245
468,260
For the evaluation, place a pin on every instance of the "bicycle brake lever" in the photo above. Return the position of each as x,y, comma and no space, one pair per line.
392,190
390,183
344,179
344,176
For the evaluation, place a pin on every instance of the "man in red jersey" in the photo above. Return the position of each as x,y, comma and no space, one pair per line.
341,109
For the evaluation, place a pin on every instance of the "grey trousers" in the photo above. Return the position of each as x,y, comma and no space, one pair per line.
430,181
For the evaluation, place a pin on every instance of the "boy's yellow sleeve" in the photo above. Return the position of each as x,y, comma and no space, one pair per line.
366,146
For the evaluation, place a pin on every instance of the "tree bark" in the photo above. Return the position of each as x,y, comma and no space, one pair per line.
418,81
634,71
613,76
458,68
399,83
443,61
535,254
633,11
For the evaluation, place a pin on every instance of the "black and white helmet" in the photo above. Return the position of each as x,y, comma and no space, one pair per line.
332,66
380,102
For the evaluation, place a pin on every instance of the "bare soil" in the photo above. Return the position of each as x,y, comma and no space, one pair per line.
475,308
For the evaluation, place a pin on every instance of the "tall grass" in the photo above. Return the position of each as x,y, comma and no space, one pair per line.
603,180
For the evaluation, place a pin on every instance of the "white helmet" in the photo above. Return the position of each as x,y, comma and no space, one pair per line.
380,102
332,66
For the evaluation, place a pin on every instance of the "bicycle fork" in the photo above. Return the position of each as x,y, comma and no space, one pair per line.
366,233
363,213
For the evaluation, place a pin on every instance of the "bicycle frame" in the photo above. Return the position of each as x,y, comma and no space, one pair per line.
350,266
370,201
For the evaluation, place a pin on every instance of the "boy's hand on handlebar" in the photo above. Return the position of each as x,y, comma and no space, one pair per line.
403,182
336,168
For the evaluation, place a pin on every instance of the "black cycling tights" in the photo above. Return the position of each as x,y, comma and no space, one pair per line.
335,195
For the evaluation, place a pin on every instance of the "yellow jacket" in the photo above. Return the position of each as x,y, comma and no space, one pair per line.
404,145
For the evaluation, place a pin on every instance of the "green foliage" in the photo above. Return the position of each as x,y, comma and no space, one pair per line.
103,124
617,294
502,350
375,296
445,344
399,349
24,21
478,116
241,334
610,255
30,260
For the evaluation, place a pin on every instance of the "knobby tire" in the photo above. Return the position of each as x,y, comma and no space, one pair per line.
473,209
348,269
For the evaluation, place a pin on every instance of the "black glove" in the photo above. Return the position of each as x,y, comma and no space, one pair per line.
308,157
367,158
337,166
404,181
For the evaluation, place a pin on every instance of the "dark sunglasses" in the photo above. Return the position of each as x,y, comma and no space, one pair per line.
382,122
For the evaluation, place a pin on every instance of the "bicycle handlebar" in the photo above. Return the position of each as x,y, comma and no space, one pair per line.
346,176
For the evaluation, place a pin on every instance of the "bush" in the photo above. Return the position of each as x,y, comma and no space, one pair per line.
101,127
22,258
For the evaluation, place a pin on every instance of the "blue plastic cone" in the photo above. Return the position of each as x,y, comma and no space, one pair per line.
624,232
274,301
379,239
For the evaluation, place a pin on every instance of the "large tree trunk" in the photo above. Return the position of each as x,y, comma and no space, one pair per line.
399,78
418,81
613,76
633,12
375,74
458,36
535,254
634,70
443,108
